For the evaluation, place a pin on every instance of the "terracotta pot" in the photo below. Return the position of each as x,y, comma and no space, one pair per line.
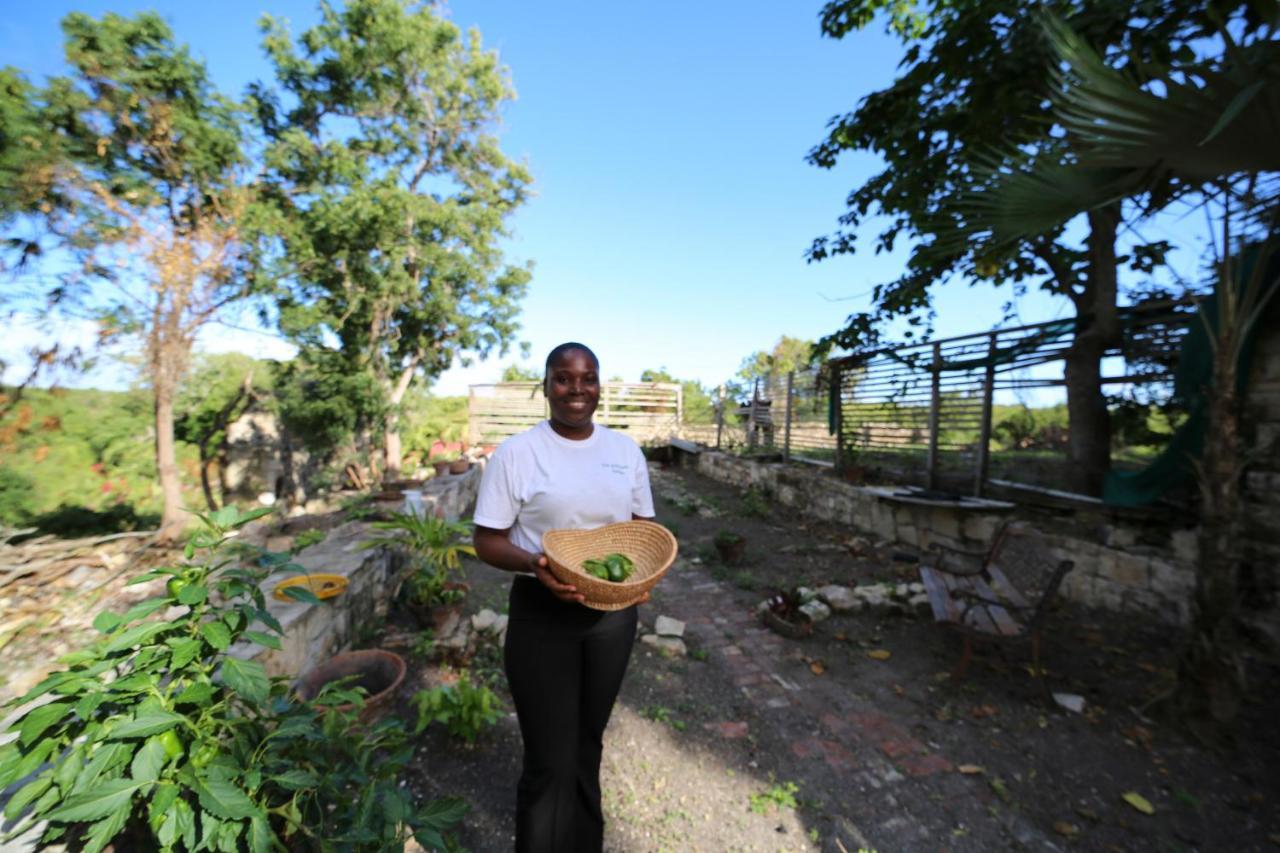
440,618
793,630
459,466
731,552
442,468
378,671
388,495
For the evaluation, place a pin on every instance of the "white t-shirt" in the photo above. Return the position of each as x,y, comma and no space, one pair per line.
538,481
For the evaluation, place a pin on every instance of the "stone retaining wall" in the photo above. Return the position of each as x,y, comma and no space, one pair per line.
1261,577
313,633
1115,568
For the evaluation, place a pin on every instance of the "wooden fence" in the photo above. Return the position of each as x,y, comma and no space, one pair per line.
644,410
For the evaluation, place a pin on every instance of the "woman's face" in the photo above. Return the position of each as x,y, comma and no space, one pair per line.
573,389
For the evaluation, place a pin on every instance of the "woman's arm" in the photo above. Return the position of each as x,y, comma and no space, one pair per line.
496,548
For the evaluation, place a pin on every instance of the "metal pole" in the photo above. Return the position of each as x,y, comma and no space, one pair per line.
935,405
719,415
786,437
984,439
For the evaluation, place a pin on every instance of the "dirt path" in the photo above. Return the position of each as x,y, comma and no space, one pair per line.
755,742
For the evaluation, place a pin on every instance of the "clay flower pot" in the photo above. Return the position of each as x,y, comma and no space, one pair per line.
440,618
378,671
441,467
792,629
459,466
731,551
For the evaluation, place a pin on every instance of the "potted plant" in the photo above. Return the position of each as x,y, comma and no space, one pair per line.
730,546
441,466
783,615
428,588
377,671
460,465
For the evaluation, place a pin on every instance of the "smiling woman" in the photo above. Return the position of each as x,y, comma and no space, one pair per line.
564,661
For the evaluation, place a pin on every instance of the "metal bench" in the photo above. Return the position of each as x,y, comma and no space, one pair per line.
981,602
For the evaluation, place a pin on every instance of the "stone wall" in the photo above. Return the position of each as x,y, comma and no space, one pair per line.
313,633
1119,565
1261,580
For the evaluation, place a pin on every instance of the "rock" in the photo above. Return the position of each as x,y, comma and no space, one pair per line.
279,543
1071,701
672,646
665,626
919,600
815,610
267,499
484,620
901,591
805,594
915,588
839,598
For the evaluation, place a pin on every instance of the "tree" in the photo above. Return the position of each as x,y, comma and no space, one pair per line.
976,75
696,402
219,390
516,373
392,193
141,179
1205,127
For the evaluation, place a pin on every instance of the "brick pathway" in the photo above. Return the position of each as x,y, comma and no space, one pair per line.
900,793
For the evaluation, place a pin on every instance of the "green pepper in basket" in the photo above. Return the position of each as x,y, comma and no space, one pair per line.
612,567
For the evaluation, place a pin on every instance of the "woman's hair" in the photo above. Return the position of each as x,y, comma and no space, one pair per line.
564,348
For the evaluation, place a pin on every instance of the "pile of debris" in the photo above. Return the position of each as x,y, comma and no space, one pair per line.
51,589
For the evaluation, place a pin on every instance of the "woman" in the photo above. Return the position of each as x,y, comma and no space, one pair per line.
564,661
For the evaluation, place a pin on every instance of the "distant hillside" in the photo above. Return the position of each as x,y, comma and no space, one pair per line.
77,461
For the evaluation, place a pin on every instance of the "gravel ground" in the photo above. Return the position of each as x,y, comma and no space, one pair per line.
755,742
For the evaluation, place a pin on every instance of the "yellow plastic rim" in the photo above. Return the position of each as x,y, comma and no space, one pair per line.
323,586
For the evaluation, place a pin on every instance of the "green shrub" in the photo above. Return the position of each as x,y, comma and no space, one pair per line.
755,504
154,732
465,709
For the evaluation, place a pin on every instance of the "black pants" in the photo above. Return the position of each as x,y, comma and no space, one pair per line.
565,664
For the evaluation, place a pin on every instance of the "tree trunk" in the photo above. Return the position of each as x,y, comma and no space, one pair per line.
173,518
205,462
391,437
1211,673
288,489
1088,421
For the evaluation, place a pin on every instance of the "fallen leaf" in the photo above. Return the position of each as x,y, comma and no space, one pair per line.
970,769
879,654
1066,829
840,635
816,667
1139,802
1149,667
981,711
900,690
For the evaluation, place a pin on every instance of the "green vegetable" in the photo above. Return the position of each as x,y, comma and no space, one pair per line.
613,567
171,742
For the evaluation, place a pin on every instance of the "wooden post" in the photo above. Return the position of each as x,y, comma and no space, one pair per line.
984,437
935,406
786,436
751,417
679,408
473,427
839,404
719,415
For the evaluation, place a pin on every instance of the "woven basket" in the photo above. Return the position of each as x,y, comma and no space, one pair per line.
650,546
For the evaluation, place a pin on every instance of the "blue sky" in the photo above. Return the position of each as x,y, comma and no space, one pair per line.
672,201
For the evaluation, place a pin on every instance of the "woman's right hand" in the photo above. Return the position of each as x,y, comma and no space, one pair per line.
562,591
